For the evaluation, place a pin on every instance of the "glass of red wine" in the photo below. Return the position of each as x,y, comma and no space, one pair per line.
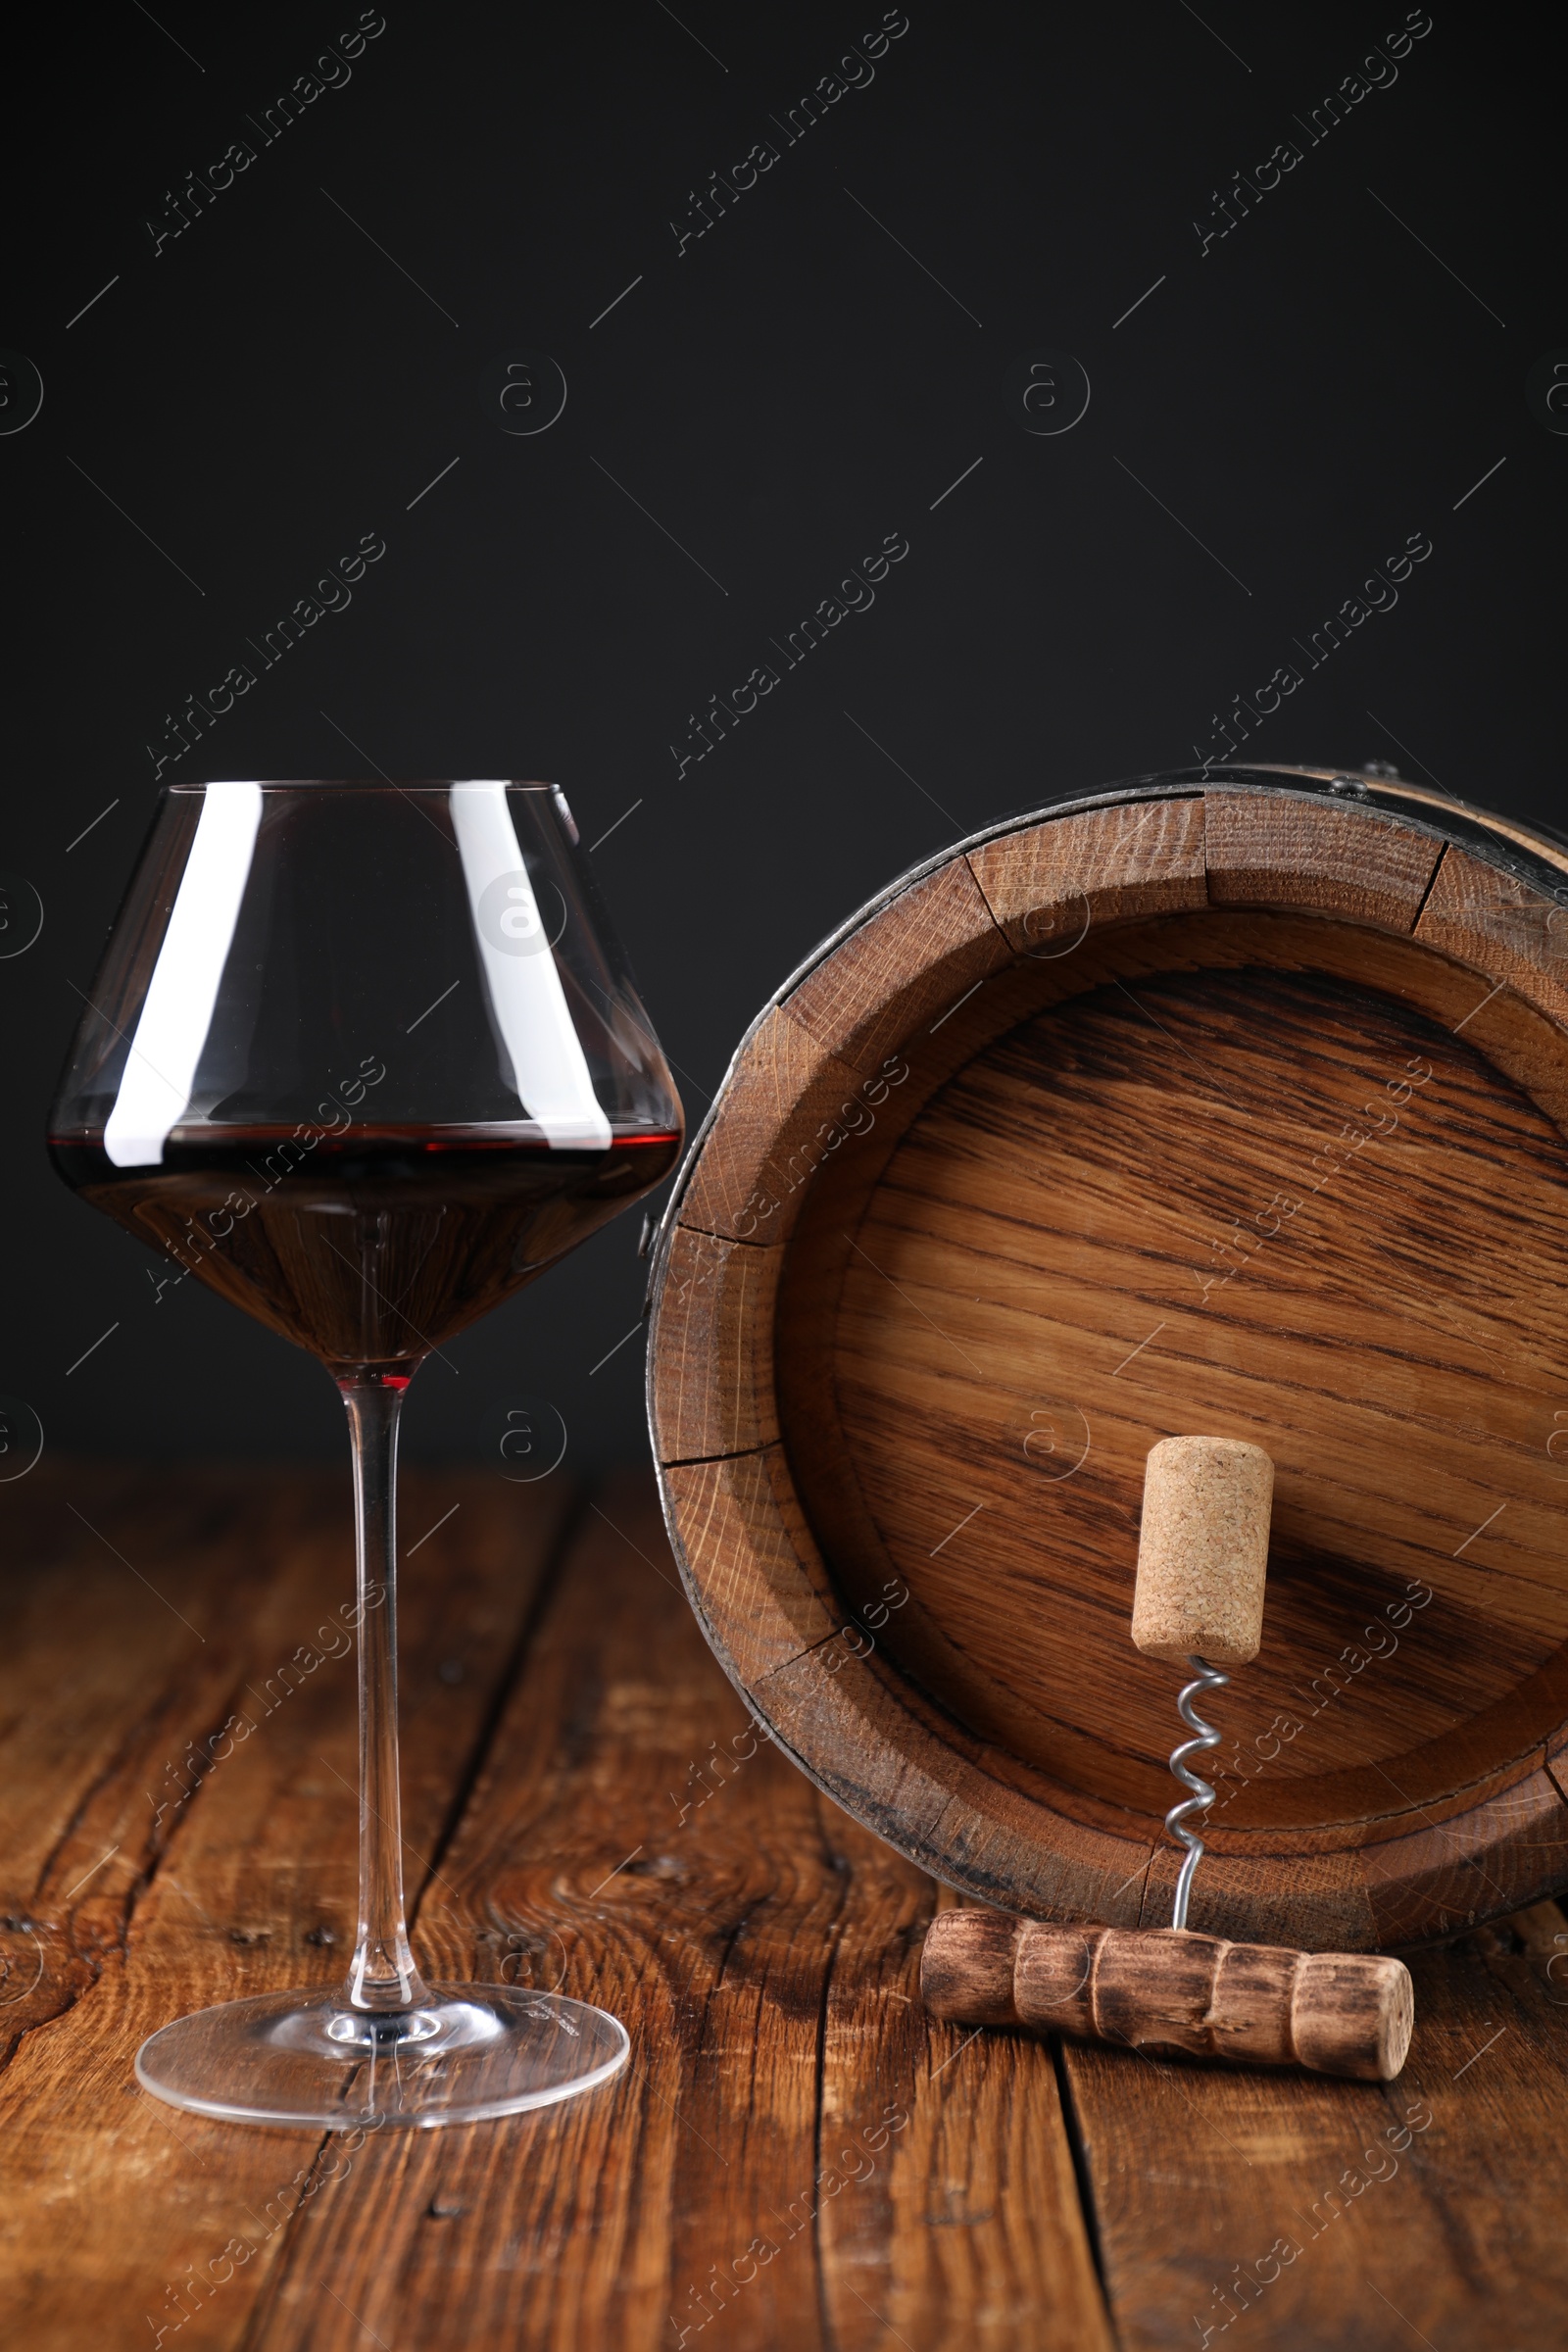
365,1059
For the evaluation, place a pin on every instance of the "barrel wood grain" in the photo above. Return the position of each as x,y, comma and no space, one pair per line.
781,1092
1076,1244
1049,884
716,1304
1441,1877
907,964
757,1607
876,1753
1320,1901
1505,926
1268,850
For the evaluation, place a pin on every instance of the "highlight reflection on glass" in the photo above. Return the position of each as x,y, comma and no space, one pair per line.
366,1059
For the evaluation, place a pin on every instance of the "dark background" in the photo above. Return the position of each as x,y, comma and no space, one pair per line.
230,417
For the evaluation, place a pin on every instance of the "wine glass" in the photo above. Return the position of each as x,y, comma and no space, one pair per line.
365,1059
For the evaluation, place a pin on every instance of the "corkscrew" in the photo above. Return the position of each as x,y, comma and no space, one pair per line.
1207,1678
1203,1557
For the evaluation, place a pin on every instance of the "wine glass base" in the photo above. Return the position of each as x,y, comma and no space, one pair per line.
466,2053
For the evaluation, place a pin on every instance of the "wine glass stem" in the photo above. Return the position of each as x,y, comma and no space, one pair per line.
383,1977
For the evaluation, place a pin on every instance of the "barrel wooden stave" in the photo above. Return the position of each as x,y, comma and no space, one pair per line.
1109,865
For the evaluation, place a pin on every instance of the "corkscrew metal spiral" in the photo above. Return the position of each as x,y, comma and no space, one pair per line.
1208,1677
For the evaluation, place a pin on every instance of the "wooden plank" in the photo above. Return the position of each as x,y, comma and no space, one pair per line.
112,2205
95,1733
634,1827
794,2156
1308,2213
576,2225
127,1657
1266,848
922,2245
1048,885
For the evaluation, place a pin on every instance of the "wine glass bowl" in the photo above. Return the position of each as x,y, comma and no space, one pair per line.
366,1059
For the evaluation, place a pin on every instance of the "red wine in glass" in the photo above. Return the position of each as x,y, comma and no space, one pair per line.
366,1059
386,1241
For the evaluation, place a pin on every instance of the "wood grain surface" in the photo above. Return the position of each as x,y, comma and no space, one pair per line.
1152,1167
1257,1130
796,2160
1050,884
1344,862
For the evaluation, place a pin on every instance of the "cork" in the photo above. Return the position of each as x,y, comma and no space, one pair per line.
1202,1552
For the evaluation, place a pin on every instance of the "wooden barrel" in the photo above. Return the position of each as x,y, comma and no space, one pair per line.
1227,1104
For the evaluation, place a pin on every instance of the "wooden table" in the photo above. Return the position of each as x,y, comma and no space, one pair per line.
795,2158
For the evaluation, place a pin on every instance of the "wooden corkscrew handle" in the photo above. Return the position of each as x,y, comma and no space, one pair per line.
1163,1990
